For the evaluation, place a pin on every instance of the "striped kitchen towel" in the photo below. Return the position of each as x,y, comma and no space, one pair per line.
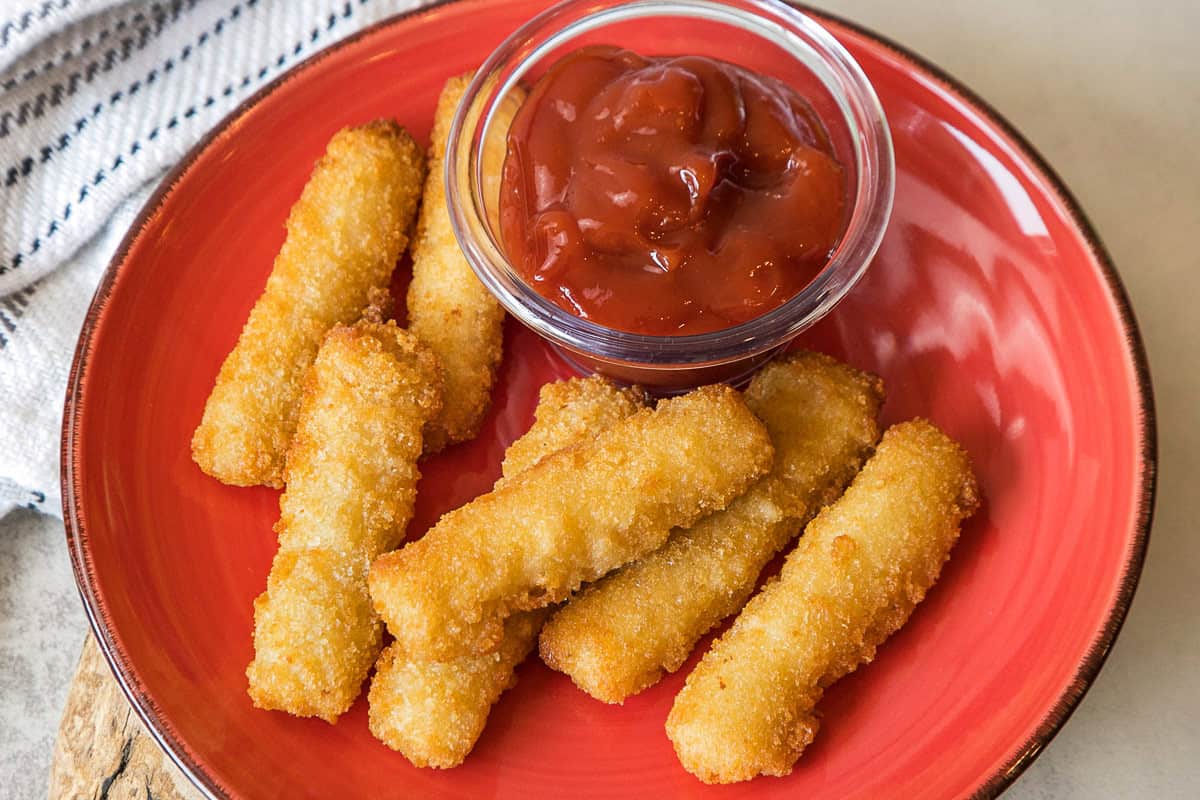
98,98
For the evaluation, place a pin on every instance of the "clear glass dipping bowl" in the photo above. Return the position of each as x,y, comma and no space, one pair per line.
762,35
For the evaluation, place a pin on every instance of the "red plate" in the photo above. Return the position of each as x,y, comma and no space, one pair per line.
991,309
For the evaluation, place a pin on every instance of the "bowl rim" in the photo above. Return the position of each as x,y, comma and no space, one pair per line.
1025,753
870,195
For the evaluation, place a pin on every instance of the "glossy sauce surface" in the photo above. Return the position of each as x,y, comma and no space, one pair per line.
667,196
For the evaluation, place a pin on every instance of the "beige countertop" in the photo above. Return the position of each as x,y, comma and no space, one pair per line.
1110,95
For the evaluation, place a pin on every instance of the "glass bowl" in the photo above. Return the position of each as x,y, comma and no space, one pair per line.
761,35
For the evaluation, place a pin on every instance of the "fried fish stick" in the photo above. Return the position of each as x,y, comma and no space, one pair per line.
573,517
566,412
434,711
343,238
621,634
860,568
351,485
448,308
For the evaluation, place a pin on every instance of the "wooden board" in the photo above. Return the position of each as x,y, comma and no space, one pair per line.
102,749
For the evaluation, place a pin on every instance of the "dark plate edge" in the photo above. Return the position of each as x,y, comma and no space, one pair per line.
1026,753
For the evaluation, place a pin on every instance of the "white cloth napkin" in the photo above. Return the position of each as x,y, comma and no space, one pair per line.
98,98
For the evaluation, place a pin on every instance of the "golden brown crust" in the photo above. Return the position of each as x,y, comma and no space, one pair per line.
381,306
314,629
619,635
351,485
571,518
567,411
344,235
448,308
861,567
433,712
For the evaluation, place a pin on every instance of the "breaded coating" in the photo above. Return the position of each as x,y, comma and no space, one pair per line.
343,238
351,470
862,565
573,517
351,485
315,635
448,308
621,634
566,411
380,308
433,712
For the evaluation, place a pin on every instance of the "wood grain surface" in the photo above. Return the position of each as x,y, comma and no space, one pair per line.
103,752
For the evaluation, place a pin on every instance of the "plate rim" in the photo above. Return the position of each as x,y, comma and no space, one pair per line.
1146,420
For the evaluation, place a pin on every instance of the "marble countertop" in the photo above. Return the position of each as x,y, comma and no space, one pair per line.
1110,95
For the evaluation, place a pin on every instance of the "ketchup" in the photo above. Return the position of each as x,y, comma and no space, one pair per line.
667,196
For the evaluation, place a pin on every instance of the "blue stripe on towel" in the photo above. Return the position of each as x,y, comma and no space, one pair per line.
52,96
19,170
56,225
20,24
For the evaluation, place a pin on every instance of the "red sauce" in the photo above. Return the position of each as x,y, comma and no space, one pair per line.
667,196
